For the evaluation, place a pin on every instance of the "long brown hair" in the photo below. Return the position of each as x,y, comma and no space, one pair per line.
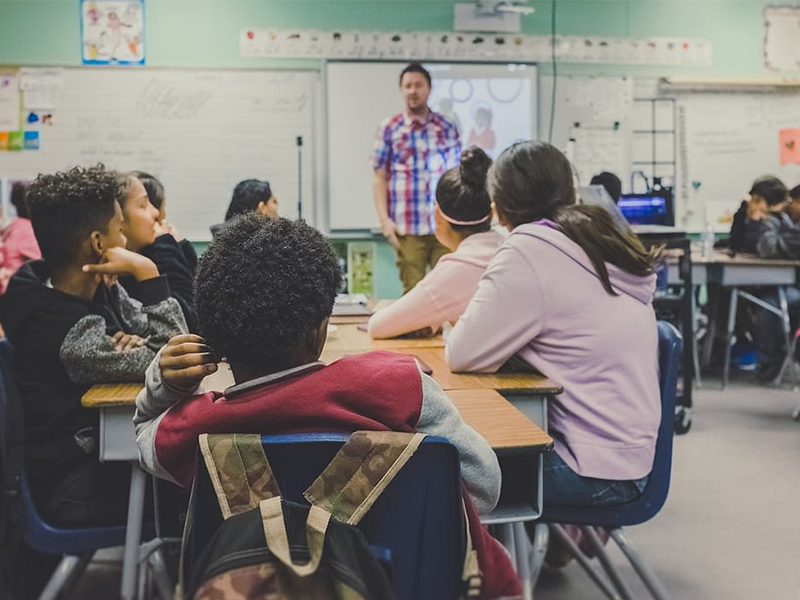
533,180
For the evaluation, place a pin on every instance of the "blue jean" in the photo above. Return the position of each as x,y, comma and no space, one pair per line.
564,487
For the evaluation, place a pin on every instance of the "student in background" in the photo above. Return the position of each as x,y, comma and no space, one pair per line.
272,331
158,198
18,240
780,238
141,232
609,181
248,196
570,294
463,225
72,327
748,221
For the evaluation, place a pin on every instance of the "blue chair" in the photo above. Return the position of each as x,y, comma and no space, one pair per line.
418,518
613,518
77,546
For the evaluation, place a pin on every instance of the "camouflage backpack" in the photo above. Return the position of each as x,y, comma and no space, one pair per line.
272,548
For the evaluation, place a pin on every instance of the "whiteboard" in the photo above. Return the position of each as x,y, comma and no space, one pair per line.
725,142
359,95
591,122
199,131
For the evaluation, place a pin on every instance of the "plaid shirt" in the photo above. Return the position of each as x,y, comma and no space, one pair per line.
415,153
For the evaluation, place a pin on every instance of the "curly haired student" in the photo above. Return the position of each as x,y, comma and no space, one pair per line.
71,325
265,291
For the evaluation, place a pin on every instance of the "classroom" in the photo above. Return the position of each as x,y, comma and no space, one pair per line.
399,299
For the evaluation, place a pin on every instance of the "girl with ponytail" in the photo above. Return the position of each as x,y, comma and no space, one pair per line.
463,224
570,294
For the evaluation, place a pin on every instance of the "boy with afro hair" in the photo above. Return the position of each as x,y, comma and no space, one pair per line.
265,291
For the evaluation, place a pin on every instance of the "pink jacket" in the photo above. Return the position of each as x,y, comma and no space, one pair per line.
541,299
19,246
443,294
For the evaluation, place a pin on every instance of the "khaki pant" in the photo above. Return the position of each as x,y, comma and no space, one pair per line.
415,255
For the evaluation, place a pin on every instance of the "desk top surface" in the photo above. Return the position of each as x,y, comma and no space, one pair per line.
742,259
348,337
495,418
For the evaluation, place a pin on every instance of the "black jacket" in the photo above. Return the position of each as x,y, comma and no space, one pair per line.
744,232
178,262
62,345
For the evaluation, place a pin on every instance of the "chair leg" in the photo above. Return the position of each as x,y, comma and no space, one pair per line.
60,577
522,550
599,549
563,537
541,537
650,579
160,576
796,412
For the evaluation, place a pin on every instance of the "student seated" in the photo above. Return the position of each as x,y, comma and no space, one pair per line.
71,326
780,238
463,225
570,294
157,197
248,196
265,291
142,234
748,223
18,241
609,181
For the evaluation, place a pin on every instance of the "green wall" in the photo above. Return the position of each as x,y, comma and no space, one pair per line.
205,33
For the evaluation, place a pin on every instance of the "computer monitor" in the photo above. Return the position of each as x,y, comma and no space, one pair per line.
599,196
653,208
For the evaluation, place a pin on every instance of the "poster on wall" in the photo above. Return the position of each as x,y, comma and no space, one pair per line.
112,32
782,38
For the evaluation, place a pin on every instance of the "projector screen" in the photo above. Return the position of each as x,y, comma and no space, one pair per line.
493,105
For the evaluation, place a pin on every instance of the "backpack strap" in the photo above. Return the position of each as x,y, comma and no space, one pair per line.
239,471
278,541
360,471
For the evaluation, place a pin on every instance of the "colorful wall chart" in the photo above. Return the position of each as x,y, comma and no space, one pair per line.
455,46
112,32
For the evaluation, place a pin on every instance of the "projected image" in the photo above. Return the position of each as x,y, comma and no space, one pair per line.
491,113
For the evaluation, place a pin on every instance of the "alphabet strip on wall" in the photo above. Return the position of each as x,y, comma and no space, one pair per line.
454,46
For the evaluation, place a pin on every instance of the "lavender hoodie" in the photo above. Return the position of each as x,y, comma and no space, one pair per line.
541,299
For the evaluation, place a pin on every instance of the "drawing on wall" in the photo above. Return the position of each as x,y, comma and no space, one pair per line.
112,32
782,38
9,100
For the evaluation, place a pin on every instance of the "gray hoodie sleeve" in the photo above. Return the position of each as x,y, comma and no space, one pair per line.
151,406
479,467
88,354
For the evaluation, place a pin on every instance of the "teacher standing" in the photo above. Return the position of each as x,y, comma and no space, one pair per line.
412,151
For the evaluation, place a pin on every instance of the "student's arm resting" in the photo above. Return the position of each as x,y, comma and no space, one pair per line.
89,355
770,242
150,312
505,314
151,406
414,311
480,470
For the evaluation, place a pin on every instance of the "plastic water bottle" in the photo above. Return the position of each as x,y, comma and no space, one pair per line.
707,241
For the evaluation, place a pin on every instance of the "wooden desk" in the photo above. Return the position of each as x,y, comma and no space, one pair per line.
349,337
506,429
434,358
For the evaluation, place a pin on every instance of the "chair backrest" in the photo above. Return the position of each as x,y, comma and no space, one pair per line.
40,535
670,351
418,518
